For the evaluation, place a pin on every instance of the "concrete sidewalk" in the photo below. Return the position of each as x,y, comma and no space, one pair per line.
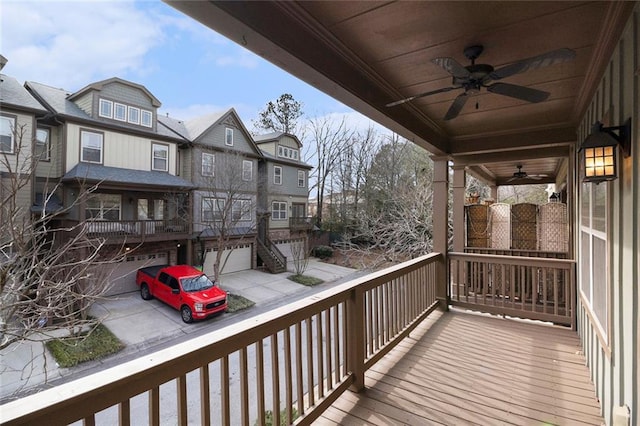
146,326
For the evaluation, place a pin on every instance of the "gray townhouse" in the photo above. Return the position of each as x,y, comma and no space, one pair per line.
163,190
106,136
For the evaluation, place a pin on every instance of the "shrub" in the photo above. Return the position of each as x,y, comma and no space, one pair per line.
322,252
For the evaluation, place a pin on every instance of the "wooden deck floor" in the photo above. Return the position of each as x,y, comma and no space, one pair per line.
460,368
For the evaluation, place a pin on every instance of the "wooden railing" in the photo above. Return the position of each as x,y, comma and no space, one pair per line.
517,252
296,359
297,223
271,256
135,228
526,287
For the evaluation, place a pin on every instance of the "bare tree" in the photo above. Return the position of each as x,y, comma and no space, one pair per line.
50,272
229,203
281,115
300,255
330,137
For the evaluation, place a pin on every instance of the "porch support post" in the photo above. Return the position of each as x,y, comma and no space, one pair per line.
356,338
494,193
459,187
441,225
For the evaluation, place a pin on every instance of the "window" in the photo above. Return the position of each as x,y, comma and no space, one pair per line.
134,115
160,160
208,163
301,179
247,170
279,210
241,210
277,175
287,152
120,112
158,209
212,209
7,140
594,256
147,118
228,138
103,207
106,108
42,144
91,147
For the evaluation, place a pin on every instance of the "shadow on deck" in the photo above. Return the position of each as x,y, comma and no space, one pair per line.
464,368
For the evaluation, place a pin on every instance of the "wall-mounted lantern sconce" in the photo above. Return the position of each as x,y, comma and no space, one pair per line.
599,151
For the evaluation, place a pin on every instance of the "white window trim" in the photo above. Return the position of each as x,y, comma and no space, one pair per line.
245,210
302,179
47,143
154,149
101,147
131,109
277,181
105,102
213,164
279,210
213,202
12,126
143,113
228,132
247,168
124,109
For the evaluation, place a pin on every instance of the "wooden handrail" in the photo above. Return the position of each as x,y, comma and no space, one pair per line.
377,311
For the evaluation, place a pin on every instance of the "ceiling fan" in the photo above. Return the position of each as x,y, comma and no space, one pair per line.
519,175
473,77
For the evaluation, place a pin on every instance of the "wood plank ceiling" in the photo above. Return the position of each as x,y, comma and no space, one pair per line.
368,54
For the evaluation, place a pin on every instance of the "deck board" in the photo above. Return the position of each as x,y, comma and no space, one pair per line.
463,368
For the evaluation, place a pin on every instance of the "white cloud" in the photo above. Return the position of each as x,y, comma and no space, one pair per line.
69,44
197,110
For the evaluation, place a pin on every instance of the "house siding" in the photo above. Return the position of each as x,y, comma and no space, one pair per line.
216,138
614,359
85,103
119,149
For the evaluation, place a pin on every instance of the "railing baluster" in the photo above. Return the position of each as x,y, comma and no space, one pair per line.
299,377
288,378
181,389
556,285
329,338
310,380
124,413
336,343
275,378
260,381
244,386
154,406
319,355
205,396
225,412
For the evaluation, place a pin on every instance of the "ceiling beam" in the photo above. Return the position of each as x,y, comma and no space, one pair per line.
538,138
511,156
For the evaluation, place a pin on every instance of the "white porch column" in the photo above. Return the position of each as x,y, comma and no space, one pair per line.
440,224
459,186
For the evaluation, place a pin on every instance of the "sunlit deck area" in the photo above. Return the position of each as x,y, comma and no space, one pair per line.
463,368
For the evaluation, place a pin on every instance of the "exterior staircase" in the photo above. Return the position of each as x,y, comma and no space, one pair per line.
271,257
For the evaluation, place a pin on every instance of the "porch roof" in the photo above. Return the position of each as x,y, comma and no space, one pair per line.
97,173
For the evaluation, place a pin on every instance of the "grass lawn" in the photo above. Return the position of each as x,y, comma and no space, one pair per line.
305,280
71,351
237,303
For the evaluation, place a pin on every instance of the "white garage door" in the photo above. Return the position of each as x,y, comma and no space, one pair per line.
285,249
239,260
123,275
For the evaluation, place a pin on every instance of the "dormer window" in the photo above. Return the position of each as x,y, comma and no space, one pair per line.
134,115
106,109
120,112
147,117
286,152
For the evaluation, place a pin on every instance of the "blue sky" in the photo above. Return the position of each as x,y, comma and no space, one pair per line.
191,69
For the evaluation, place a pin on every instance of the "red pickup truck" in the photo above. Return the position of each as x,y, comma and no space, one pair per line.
184,288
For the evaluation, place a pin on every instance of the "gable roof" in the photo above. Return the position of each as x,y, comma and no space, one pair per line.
100,84
13,94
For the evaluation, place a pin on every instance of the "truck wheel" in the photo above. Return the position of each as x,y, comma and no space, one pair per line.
145,293
187,316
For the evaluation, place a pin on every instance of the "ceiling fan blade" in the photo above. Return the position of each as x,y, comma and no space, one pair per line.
433,92
456,106
452,66
544,60
518,92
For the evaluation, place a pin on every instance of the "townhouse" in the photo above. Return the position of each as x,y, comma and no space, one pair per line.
158,189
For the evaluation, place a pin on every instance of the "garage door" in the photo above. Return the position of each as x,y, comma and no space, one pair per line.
123,275
285,249
239,260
